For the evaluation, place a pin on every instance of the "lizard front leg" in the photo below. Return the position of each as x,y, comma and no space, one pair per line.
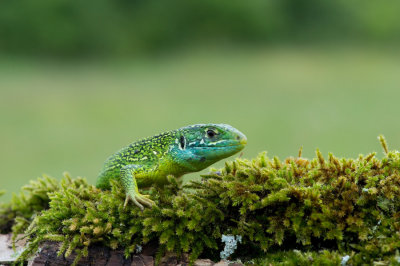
128,178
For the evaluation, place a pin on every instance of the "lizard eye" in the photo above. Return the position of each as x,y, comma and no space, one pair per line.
211,133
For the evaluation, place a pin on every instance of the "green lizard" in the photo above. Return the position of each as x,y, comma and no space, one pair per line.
177,152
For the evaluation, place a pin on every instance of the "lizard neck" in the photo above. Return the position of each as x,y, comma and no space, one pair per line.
187,162
170,166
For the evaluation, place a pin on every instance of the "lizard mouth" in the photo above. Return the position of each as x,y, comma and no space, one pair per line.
241,143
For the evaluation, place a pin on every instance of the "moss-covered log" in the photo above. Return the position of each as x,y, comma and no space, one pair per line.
344,206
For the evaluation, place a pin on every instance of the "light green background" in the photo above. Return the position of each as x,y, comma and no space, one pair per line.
72,116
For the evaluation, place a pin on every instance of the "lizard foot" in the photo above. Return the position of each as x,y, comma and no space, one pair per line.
139,200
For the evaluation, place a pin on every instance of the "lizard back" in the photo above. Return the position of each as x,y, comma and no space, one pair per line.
146,151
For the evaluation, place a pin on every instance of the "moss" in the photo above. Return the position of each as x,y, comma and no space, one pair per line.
324,208
32,199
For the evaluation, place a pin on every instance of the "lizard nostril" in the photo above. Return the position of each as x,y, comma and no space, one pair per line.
238,137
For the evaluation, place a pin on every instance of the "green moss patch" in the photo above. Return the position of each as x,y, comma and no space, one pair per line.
298,209
17,214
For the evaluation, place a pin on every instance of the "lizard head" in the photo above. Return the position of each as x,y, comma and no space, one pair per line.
199,146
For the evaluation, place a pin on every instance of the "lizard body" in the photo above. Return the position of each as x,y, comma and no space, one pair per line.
177,152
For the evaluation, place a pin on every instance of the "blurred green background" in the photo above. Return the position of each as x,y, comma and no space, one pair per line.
81,79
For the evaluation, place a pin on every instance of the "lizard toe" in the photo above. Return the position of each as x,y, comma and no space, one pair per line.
144,200
135,201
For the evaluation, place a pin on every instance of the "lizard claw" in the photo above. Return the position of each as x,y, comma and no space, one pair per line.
138,200
129,197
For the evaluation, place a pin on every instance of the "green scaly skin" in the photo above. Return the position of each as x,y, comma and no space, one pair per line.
177,152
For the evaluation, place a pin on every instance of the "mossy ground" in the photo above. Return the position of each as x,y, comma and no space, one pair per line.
295,211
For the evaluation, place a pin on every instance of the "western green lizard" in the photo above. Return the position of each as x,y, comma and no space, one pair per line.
177,152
